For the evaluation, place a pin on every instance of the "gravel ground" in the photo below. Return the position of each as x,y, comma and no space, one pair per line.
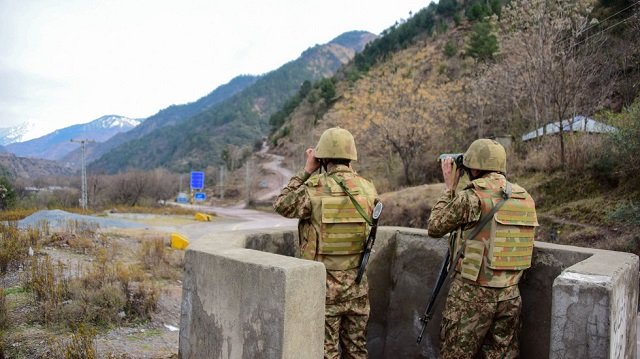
59,219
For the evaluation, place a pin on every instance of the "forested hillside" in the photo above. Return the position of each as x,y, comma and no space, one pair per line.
233,126
169,116
457,71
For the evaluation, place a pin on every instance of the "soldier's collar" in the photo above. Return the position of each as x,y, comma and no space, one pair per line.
333,168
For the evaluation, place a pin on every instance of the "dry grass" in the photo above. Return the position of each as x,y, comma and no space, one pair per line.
544,155
410,207
97,294
159,259
3,310
103,293
81,345
14,247
50,287
165,210
16,214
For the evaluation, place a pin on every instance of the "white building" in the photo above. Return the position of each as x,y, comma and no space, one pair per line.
577,124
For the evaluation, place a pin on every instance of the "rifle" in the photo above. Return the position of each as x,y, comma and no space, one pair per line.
444,269
377,210
442,277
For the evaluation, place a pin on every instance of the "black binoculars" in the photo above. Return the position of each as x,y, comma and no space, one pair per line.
457,158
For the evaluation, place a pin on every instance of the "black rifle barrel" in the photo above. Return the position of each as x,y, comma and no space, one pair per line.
428,313
377,210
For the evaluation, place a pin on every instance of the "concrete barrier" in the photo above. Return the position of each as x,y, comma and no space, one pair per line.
242,301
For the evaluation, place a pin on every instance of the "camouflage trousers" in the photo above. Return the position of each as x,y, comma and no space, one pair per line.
345,329
481,327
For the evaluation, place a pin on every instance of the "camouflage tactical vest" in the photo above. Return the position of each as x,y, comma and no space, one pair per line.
338,229
500,252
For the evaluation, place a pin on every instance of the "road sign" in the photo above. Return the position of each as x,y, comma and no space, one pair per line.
197,180
199,196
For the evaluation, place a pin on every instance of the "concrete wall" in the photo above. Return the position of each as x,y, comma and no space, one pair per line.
242,303
577,302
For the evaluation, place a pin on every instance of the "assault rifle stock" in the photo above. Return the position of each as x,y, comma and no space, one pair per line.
377,210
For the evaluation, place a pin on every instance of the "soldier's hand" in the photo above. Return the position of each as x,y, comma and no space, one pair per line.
451,177
312,163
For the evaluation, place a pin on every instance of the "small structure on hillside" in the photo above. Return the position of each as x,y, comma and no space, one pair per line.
575,124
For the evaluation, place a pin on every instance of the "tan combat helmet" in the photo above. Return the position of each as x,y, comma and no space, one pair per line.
487,155
337,142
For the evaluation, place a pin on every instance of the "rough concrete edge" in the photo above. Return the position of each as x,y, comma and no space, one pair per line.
603,270
304,316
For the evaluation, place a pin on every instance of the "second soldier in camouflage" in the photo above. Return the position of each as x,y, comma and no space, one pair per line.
333,232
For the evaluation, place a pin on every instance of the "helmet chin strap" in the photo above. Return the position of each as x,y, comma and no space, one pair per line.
323,164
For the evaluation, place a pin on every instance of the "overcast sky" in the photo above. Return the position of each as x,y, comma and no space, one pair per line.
64,62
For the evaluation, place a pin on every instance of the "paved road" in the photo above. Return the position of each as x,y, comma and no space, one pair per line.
232,219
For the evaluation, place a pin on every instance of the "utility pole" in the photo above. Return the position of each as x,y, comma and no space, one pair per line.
247,180
84,198
221,182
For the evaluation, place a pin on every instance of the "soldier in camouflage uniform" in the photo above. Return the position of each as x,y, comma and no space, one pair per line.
482,311
332,231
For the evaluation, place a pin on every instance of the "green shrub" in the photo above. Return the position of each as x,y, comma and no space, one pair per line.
625,142
450,49
628,213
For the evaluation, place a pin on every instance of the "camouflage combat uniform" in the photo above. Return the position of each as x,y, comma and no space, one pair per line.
347,303
482,310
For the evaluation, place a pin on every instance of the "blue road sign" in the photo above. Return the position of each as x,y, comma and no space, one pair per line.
199,196
197,180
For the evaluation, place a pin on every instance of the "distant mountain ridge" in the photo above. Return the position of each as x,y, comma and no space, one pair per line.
55,145
241,119
169,116
9,135
22,167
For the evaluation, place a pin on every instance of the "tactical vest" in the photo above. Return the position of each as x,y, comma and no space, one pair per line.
502,249
340,231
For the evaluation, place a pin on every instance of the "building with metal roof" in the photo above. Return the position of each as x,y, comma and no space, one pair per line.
576,124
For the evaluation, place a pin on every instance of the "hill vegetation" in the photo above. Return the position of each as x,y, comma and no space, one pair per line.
455,72
169,116
239,121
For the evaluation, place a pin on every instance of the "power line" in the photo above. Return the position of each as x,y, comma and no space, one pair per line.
602,31
599,23
609,17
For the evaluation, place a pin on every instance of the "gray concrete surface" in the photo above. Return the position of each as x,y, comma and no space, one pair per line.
242,303
577,302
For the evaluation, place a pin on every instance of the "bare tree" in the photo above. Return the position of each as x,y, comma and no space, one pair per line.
549,62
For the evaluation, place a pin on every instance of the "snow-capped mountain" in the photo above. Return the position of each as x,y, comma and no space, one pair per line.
112,121
57,144
9,135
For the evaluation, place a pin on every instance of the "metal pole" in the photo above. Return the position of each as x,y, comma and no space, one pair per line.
84,197
84,178
221,182
246,181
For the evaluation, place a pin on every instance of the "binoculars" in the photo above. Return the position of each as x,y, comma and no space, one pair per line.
457,158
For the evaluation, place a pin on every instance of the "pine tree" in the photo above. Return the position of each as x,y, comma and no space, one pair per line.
483,44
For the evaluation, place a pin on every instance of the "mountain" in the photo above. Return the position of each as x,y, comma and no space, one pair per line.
9,135
449,75
23,167
240,120
169,116
55,145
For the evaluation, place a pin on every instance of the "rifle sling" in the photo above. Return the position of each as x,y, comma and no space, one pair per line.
506,194
359,208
